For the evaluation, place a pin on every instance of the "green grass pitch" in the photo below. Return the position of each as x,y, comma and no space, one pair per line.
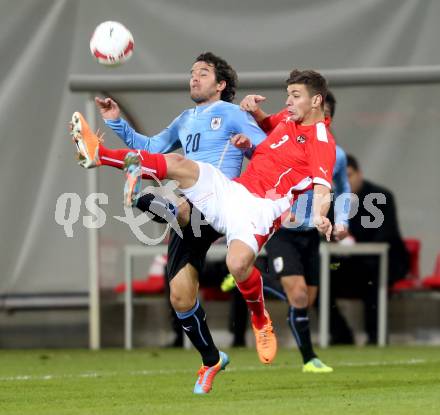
393,380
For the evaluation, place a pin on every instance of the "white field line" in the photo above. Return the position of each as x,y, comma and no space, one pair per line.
185,371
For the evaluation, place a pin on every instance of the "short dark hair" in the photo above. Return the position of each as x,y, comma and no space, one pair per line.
330,100
314,82
223,72
352,162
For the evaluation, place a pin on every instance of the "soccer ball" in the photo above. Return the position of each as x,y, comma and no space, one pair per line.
111,43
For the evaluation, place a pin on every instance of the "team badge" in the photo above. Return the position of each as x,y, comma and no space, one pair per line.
301,139
216,122
278,264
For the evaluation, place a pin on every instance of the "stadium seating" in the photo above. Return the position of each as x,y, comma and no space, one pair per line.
433,281
412,280
154,283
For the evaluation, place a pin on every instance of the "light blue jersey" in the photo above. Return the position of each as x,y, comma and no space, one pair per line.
302,208
202,132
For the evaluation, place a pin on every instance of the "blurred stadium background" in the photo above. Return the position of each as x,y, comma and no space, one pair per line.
392,129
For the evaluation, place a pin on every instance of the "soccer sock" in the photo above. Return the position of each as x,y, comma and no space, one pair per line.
161,209
298,320
152,164
252,291
194,324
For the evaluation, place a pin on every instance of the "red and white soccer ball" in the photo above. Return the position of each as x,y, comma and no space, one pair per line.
111,43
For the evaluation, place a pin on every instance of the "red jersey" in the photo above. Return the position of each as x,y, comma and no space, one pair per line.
270,122
292,158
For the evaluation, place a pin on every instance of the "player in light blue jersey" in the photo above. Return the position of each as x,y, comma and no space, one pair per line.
293,251
203,133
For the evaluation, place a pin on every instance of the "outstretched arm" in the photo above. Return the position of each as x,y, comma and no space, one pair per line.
251,104
163,142
108,108
321,205
342,195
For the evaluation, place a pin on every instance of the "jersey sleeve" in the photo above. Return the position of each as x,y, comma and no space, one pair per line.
243,123
167,140
322,153
271,121
342,188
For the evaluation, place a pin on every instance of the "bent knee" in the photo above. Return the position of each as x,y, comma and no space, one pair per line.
239,266
182,303
174,160
175,157
300,299
296,293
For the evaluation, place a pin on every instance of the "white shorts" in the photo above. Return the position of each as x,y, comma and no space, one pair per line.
232,210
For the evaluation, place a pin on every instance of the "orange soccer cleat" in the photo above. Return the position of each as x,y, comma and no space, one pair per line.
207,374
266,341
87,142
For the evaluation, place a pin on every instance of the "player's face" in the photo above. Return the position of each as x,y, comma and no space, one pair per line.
299,102
203,85
355,178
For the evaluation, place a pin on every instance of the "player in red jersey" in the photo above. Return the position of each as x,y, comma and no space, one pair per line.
298,155
293,254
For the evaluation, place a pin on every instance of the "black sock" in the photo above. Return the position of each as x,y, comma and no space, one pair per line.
298,321
194,325
163,210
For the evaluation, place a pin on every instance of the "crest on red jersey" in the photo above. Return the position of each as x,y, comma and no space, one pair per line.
216,122
301,139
